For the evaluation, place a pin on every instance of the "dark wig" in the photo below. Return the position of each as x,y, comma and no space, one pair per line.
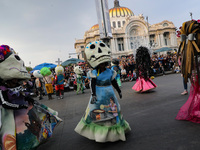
143,62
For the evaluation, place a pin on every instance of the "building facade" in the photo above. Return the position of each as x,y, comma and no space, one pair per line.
129,32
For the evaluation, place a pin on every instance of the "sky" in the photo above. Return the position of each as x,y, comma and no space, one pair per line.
45,30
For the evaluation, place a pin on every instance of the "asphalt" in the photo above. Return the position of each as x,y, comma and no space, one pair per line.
151,117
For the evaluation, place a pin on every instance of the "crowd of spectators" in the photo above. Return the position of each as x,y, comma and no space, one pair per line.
160,64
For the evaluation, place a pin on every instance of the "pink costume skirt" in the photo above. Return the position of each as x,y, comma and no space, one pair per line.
143,85
190,111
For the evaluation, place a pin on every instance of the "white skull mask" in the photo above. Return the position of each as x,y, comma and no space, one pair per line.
37,74
13,68
97,52
78,70
59,70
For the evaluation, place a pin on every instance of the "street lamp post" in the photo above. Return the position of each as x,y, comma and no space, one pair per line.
191,15
103,20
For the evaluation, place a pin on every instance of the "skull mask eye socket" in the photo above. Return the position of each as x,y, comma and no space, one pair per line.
17,57
102,45
92,46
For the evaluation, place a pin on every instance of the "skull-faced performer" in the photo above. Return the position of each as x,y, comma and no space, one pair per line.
59,82
79,79
115,66
143,64
189,50
23,120
102,120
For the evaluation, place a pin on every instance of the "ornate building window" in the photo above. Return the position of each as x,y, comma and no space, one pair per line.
120,44
119,24
131,45
119,47
82,54
124,23
166,38
165,24
114,24
152,40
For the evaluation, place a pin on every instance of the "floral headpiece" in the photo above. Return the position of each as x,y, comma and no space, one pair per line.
4,50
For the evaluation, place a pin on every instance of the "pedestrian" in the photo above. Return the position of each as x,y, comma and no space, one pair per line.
161,68
96,123
190,68
143,64
48,78
185,92
22,118
38,83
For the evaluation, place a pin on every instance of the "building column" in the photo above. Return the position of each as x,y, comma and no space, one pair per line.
158,40
174,39
162,40
125,44
113,48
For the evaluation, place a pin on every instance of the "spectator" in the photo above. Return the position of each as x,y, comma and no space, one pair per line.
130,76
123,74
161,68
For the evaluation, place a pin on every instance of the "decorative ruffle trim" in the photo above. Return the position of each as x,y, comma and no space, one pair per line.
103,133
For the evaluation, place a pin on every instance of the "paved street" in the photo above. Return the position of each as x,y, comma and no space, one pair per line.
151,117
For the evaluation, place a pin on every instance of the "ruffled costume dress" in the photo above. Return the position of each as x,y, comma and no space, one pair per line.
143,85
190,111
24,129
97,123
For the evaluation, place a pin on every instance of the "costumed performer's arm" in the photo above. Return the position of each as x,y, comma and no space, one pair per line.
115,85
93,87
8,105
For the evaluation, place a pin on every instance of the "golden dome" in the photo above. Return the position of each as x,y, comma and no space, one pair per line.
117,11
120,12
96,26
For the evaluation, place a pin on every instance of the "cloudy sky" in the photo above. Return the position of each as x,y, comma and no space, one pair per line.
45,30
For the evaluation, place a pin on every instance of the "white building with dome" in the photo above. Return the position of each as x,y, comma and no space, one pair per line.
129,32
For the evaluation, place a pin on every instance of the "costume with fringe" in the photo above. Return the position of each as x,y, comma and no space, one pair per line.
190,52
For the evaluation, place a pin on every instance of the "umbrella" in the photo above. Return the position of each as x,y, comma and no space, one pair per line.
163,49
48,65
71,61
